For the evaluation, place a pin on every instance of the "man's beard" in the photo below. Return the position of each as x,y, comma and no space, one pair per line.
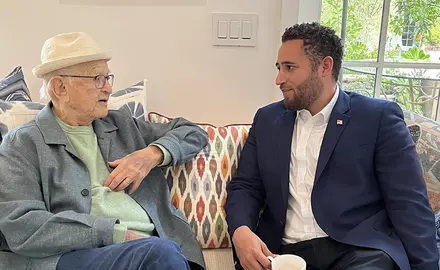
305,94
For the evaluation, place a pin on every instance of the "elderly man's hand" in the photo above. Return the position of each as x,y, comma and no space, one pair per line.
133,168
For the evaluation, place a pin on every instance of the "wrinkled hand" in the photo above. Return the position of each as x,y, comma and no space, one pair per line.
251,251
130,236
133,168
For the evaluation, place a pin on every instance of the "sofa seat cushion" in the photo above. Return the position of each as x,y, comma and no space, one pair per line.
219,259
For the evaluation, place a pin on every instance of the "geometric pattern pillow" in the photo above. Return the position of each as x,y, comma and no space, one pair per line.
415,131
437,226
133,100
13,87
16,113
198,188
428,149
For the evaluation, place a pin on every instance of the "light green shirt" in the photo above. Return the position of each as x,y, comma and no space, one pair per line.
106,202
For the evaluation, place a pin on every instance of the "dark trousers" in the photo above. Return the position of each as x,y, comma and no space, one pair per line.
150,253
326,253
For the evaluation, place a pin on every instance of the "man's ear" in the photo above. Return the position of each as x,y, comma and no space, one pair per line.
57,87
327,66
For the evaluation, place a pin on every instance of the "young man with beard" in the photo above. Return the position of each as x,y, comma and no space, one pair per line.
329,175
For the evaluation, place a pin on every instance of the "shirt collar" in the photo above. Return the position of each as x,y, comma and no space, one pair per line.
325,112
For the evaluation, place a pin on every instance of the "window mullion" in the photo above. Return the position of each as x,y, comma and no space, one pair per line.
382,45
343,31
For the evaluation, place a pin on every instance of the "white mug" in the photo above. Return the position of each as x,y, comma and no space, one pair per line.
287,262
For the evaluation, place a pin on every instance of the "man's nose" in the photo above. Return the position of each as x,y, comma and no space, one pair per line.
107,88
280,79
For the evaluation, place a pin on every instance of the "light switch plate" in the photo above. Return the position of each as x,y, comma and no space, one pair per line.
242,29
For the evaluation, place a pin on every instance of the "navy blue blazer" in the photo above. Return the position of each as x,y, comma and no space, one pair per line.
369,189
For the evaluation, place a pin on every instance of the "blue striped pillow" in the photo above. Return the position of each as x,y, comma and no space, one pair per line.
13,87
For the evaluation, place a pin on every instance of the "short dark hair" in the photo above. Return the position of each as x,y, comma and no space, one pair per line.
319,42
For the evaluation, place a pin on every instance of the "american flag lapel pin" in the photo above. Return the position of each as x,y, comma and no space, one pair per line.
339,122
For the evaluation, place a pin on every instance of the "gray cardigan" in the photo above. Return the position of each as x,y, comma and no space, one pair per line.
44,208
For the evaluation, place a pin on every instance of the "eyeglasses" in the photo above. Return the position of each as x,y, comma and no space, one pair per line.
100,80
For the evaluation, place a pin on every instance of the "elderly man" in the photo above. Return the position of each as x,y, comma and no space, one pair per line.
81,186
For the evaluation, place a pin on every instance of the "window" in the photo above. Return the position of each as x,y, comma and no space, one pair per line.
408,35
391,50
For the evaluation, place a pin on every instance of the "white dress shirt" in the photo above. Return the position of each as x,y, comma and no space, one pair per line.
306,144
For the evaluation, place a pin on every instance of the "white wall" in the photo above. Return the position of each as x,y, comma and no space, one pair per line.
168,45
297,11
309,11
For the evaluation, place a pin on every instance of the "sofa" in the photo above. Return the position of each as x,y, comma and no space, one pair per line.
198,188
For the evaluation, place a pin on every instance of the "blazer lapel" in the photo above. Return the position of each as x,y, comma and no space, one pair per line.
337,122
285,126
51,131
102,130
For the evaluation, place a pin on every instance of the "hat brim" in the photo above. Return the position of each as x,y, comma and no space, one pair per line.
45,68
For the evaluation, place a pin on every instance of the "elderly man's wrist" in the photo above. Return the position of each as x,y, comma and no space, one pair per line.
156,153
167,158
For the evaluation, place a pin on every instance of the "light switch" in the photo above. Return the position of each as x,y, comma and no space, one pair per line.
234,29
234,32
246,30
222,30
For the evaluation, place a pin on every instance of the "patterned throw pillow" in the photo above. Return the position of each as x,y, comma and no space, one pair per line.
132,99
428,149
198,188
13,87
13,114
16,113
437,235
414,130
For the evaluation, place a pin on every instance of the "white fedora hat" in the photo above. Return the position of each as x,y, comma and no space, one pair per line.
68,49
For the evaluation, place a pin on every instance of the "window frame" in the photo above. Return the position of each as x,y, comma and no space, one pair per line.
380,64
